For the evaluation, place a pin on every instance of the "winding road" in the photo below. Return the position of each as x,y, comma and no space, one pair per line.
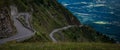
59,29
23,33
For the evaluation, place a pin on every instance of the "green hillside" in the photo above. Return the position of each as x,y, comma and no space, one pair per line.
47,15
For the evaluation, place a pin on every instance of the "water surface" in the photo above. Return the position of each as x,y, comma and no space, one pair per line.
102,15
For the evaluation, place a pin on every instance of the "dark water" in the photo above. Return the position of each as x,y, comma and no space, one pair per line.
102,15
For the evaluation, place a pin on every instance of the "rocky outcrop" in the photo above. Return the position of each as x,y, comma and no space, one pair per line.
6,26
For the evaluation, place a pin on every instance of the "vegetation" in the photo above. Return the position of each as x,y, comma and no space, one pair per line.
83,34
47,16
59,46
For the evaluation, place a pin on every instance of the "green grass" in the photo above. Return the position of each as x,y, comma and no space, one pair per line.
59,46
83,34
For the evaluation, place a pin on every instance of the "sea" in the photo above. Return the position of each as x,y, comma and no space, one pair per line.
102,15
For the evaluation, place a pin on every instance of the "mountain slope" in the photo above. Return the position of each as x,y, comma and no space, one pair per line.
48,15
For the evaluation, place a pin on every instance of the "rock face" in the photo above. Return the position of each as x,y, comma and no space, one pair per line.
6,26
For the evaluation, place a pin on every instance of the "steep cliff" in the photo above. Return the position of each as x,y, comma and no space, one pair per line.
49,17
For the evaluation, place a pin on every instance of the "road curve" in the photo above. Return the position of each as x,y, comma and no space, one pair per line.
59,29
22,32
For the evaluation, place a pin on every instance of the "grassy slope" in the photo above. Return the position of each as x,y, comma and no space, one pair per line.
49,15
60,46
83,34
